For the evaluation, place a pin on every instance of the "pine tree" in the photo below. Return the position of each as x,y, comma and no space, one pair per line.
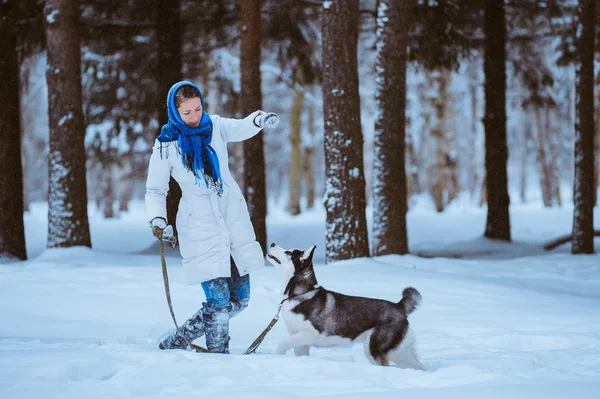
12,230
496,152
346,228
251,98
389,180
584,184
67,197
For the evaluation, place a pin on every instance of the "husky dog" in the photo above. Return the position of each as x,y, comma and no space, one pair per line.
315,316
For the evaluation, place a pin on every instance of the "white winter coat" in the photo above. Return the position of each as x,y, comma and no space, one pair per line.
210,228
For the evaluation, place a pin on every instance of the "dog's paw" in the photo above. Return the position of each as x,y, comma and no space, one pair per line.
303,350
281,349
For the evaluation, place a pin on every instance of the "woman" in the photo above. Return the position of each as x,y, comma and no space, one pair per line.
216,238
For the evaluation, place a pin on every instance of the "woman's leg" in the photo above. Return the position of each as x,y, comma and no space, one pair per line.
239,289
192,329
215,314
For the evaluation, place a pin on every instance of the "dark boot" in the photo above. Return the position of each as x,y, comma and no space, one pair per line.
216,328
192,329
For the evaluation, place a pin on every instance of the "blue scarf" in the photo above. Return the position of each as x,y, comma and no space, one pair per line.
197,155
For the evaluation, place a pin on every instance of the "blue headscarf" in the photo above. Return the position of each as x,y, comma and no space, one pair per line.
194,142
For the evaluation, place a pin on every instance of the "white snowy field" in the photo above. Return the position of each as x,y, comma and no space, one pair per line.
506,321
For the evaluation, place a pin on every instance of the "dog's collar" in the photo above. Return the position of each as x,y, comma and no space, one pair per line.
289,297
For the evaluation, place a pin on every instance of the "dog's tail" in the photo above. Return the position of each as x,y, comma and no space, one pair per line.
410,300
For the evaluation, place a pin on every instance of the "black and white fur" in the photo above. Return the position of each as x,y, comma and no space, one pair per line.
315,316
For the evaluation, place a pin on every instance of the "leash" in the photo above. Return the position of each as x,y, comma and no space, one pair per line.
252,348
159,234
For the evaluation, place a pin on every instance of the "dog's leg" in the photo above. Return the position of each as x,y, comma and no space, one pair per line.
380,361
405,355
415,360
303,350
302,338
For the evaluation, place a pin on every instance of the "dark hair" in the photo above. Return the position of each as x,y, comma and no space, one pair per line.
184,93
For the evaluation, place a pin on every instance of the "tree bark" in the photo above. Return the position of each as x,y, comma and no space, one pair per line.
583,194
254,155
346,227
169,37
496,152
67,194
474,169
553,157
295,181
12,233
542,158
309,155
389,169
523,156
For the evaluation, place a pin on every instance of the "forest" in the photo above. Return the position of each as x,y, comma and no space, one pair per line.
382,103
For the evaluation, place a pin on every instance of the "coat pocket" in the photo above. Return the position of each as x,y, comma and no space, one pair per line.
198,214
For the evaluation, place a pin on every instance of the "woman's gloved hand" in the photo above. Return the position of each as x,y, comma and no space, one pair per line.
158,225
266,119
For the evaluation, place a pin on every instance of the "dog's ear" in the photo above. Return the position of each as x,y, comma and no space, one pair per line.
308,254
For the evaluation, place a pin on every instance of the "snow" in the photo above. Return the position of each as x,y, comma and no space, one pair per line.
51,17
65,118
505,320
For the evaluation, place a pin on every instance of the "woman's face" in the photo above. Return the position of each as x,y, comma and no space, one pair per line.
190,111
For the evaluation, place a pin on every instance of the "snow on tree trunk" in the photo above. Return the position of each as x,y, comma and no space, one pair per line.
346,227
12,231
254,154
67,194
496,152
295,181
389,174
169,37
583,194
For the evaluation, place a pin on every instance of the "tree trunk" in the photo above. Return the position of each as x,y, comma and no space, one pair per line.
447,164
346,227
295,182
583,194
67,194
474,170
414,186
389,169
12,233
169,37
309,155
496,152
542,158
254,155
108,197
125,184
553,157
451,162
523,155
597,156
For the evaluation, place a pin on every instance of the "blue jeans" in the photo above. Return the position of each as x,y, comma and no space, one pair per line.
227,293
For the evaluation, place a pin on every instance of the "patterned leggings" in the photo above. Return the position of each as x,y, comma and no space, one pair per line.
227,293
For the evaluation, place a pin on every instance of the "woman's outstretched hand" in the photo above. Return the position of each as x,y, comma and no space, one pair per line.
266,119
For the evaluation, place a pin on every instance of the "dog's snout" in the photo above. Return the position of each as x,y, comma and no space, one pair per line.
273,245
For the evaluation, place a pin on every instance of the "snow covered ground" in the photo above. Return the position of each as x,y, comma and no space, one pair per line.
501,321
